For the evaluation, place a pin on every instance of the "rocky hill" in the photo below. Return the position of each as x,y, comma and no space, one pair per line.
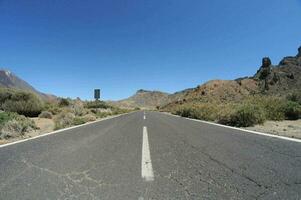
10,80
270,79
277,80
282,78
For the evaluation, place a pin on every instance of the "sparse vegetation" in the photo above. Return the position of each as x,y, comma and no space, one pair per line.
14,125
295,97
89,118
77,112
46,114
245,115
23,103
97,104
78,121
63,120
292,110
247,112
64,102
202,111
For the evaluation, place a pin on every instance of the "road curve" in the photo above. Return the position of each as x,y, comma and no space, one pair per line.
151,155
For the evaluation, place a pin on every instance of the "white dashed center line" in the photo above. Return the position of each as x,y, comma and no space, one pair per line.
146,162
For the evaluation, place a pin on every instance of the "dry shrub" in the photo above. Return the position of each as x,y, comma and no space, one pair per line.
244,115
23,103
89,118
63,120
46,114
15,125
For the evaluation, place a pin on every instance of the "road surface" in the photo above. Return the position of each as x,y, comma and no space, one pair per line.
151,156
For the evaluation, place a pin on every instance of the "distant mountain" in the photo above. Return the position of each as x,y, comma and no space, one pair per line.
143,99
10,80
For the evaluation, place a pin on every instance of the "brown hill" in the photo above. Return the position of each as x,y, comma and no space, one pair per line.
278,80
10,80
270,79
143,99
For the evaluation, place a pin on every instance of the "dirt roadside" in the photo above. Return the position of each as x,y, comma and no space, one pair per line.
285,128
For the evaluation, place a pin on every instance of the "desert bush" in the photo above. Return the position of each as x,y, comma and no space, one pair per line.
117,111
5,117
292,110
11,129
202,111
78,121
245,115
89,118
77,107
23,103
295,97
103,114
273,107
63,102
14,125
63,120
46,114
206,111
54,110
97,104
248,112
185,112
84,119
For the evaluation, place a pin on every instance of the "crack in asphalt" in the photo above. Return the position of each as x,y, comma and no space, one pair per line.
82,180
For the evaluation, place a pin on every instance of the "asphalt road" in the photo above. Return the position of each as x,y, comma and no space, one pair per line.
153,157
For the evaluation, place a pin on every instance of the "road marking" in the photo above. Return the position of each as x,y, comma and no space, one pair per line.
62,130
146,162
240,129
144,117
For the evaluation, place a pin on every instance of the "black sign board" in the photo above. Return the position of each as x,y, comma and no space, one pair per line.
97,94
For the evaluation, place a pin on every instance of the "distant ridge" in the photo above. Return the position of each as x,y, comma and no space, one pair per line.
269,79
144,99
10,80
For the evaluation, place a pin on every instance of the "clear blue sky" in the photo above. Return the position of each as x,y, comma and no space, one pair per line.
70,47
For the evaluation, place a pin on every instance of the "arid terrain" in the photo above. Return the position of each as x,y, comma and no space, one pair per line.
269,101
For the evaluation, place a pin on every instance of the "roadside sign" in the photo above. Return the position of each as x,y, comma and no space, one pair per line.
97,94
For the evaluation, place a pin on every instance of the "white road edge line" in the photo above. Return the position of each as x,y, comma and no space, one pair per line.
240,129
146,162
61,130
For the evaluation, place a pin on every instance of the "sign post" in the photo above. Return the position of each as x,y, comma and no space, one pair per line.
97,94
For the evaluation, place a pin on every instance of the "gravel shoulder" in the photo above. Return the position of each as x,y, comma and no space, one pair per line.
285,128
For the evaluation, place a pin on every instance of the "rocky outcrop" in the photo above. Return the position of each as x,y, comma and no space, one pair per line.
263,73
280,78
